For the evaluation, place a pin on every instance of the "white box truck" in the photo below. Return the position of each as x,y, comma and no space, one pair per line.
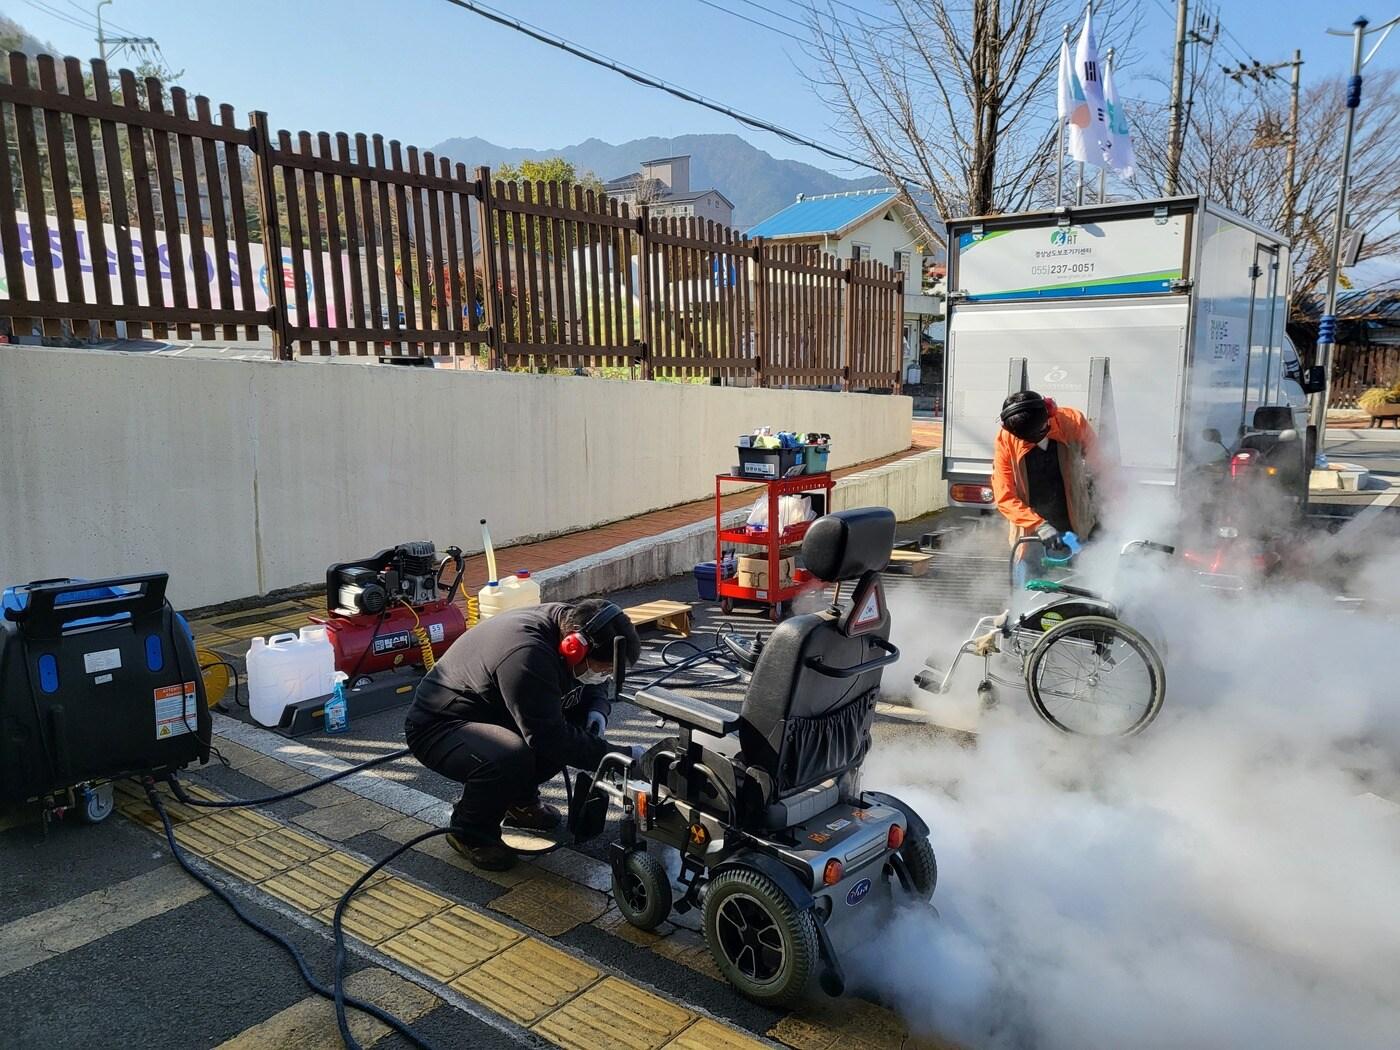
1163,321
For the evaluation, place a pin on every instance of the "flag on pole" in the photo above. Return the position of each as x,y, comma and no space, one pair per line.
1119,154
1089,135
1072,107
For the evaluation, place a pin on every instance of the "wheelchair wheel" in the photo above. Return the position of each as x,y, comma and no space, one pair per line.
644,894
921,864
1095,676
763,944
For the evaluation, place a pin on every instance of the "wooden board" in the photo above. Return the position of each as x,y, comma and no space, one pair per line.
910,563
672,615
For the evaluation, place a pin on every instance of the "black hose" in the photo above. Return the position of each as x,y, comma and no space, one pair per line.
239,803
335,994
341,999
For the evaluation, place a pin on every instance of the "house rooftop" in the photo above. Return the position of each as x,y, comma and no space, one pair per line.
830,213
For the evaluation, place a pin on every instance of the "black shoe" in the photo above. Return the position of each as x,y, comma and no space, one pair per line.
489,856
532,816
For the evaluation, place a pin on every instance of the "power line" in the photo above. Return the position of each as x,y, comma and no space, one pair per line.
647,80
62,16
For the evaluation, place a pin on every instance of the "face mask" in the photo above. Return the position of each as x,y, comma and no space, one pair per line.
591,677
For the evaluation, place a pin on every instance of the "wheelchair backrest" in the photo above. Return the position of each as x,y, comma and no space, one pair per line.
803,721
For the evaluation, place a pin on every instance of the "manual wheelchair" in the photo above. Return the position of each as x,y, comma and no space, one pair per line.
788,860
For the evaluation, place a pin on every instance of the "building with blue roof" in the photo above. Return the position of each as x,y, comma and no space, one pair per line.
869,224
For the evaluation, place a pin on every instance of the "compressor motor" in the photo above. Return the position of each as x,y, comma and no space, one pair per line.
392,609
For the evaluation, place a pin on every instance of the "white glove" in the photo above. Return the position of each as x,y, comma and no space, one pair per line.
1048,534
596,723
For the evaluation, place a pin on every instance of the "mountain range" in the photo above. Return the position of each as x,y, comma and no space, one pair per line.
756,182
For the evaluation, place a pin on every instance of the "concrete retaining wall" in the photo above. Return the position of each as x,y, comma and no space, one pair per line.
240,477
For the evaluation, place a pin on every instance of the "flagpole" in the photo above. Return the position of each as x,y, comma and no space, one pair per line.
1060,145
1103,171
1080,199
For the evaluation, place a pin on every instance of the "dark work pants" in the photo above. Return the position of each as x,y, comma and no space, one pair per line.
494,765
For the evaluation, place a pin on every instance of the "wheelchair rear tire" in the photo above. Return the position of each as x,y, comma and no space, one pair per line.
1077,655
921,864
765,946
644,897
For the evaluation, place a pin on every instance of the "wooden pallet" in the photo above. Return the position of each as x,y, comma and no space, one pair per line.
674,616
910,563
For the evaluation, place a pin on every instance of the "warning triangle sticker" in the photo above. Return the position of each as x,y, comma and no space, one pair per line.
870,611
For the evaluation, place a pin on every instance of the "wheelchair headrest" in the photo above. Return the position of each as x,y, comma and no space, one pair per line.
849,543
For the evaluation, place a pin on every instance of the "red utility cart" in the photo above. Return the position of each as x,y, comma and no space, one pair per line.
775,597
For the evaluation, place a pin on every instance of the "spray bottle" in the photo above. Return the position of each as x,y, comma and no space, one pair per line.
336,716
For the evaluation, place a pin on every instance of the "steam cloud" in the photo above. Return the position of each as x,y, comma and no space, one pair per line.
1231,878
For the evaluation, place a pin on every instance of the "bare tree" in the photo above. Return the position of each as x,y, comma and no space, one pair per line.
1235,152
953,102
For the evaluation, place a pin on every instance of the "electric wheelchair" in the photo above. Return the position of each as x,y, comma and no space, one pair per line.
786,858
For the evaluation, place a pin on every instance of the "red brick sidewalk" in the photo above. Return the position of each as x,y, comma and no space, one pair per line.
546,554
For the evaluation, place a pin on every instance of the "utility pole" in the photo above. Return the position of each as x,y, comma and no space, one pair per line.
101,39
1261,73
1327,326
1178,77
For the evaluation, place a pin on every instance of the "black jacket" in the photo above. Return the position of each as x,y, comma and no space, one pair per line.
507,671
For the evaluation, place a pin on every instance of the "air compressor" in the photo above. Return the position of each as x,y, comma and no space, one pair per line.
391,610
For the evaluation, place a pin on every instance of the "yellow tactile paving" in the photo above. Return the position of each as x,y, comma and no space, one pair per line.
552,905
527,981
614,1013
704,1034
383,909
450,943
222,829
319,882
267,855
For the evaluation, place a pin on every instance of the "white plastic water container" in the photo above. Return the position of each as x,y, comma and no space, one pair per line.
286,669
514,592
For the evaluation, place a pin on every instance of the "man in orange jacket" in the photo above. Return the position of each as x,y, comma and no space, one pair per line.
1045,456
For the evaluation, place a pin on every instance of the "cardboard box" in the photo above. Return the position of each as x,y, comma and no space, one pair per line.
753,572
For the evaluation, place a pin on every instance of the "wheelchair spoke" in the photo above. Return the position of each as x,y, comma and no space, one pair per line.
750,938
1097,683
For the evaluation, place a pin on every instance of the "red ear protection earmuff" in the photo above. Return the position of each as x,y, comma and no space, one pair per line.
575,645
1050,405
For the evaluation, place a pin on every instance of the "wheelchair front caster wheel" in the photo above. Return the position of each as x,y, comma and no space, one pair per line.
776,614
644,894
921,865
986,695
726,605
764,945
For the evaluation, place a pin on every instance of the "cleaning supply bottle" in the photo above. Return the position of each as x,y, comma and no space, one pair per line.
490,599
336,715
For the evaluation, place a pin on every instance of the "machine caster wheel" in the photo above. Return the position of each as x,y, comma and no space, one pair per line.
726,605
644,895
362,682
921,865
776,613
96,804
763,944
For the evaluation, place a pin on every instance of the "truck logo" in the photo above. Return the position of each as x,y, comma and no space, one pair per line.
1063,235
858,892
1056,375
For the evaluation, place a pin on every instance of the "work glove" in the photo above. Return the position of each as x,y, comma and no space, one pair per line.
1048,534
596,723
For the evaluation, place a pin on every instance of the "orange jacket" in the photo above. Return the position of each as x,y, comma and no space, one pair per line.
1078,445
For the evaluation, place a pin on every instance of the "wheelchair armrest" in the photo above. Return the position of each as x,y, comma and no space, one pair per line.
688,712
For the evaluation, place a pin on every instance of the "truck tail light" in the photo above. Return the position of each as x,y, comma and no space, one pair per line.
971,493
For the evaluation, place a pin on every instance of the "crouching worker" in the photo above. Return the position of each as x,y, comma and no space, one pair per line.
511,702
1046,458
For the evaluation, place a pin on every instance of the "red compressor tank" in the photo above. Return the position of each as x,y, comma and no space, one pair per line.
366,644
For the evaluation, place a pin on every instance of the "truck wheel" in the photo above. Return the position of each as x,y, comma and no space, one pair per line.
97,804
921,864
644,894
763,944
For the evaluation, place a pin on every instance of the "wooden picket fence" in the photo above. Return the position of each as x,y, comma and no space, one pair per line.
118,204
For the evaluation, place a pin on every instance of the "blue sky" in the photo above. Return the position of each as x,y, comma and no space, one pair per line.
422,70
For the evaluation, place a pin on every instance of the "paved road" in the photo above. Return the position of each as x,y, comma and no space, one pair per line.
1378,451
